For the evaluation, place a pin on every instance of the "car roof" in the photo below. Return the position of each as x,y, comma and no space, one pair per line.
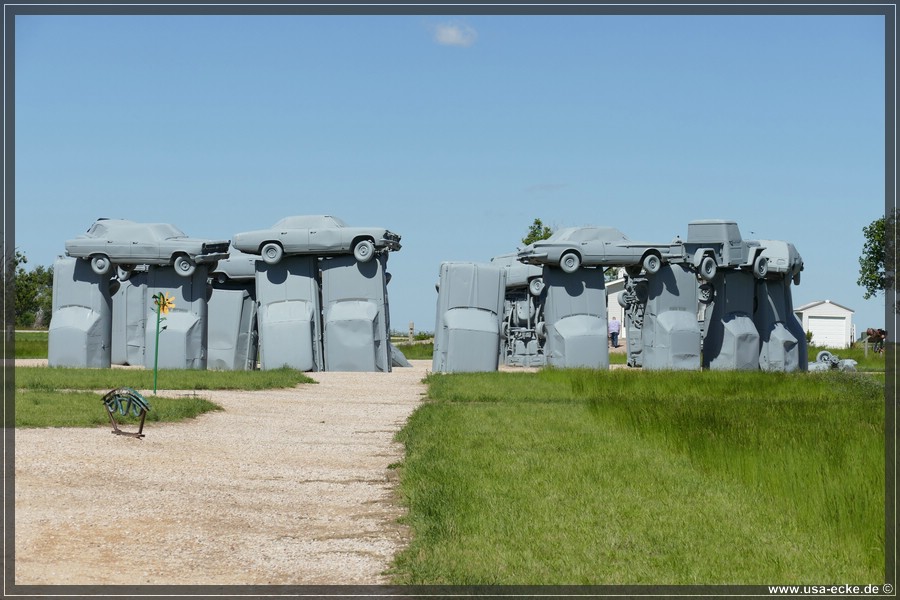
587,234
309,222
125,229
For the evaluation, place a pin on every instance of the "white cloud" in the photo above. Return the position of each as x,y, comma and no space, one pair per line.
455,34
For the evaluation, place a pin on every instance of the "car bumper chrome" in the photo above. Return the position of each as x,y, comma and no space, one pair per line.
210,258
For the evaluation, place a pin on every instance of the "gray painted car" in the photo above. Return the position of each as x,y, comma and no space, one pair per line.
127,243
714,243
237,267
572,247
316,234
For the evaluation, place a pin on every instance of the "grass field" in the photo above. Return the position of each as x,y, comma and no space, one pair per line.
39,408
61,378
423,351
619,477
31,344
59,397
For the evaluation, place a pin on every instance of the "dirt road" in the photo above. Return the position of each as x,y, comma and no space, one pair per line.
282,487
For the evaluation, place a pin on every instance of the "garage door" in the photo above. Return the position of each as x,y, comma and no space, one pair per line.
828,331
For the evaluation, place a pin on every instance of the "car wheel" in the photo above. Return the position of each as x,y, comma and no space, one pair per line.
708,268
652,264
123,272
364,250
536,286
184,265
570,262
760,267
271,253
100,264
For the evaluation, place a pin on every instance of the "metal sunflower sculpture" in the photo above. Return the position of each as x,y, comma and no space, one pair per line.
163,303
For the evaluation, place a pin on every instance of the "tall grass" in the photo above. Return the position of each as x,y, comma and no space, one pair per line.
587,477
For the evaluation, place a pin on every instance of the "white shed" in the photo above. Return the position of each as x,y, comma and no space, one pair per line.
831,324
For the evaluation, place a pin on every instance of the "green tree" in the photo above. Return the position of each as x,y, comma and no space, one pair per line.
537,231
34,293
877,265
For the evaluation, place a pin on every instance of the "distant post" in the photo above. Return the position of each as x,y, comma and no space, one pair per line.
412,329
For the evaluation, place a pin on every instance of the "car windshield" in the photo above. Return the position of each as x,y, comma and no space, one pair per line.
97,230
309,222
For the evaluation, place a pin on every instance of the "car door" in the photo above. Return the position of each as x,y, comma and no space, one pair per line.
326,237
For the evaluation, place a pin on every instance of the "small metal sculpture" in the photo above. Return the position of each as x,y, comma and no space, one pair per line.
124,401
826,361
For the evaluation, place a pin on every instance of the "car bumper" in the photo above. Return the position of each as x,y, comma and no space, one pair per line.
390,241
210,258
534,257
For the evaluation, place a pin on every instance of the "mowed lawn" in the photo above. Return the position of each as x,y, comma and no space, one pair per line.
624,477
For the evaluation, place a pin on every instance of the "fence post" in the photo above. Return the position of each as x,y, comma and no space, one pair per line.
412,328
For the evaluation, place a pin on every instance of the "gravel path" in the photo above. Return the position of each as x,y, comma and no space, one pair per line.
282,487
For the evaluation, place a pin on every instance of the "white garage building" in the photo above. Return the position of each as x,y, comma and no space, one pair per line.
831,324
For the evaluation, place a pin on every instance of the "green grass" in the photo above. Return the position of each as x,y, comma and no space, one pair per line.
85,409
62,378
417,351
31,344
619,477
56,397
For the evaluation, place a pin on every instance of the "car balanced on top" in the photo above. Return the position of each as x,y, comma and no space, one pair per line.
316,234
125,244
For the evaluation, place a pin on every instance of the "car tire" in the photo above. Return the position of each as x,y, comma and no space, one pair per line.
536,286
100,264
652,264
271,253
184,265
708,268
570,262
364,250
760,267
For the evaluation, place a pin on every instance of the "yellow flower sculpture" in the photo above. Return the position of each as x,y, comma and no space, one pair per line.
164,302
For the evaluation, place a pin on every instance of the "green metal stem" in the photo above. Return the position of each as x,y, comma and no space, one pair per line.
156,348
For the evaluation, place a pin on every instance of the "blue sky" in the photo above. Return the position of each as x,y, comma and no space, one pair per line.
457,131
